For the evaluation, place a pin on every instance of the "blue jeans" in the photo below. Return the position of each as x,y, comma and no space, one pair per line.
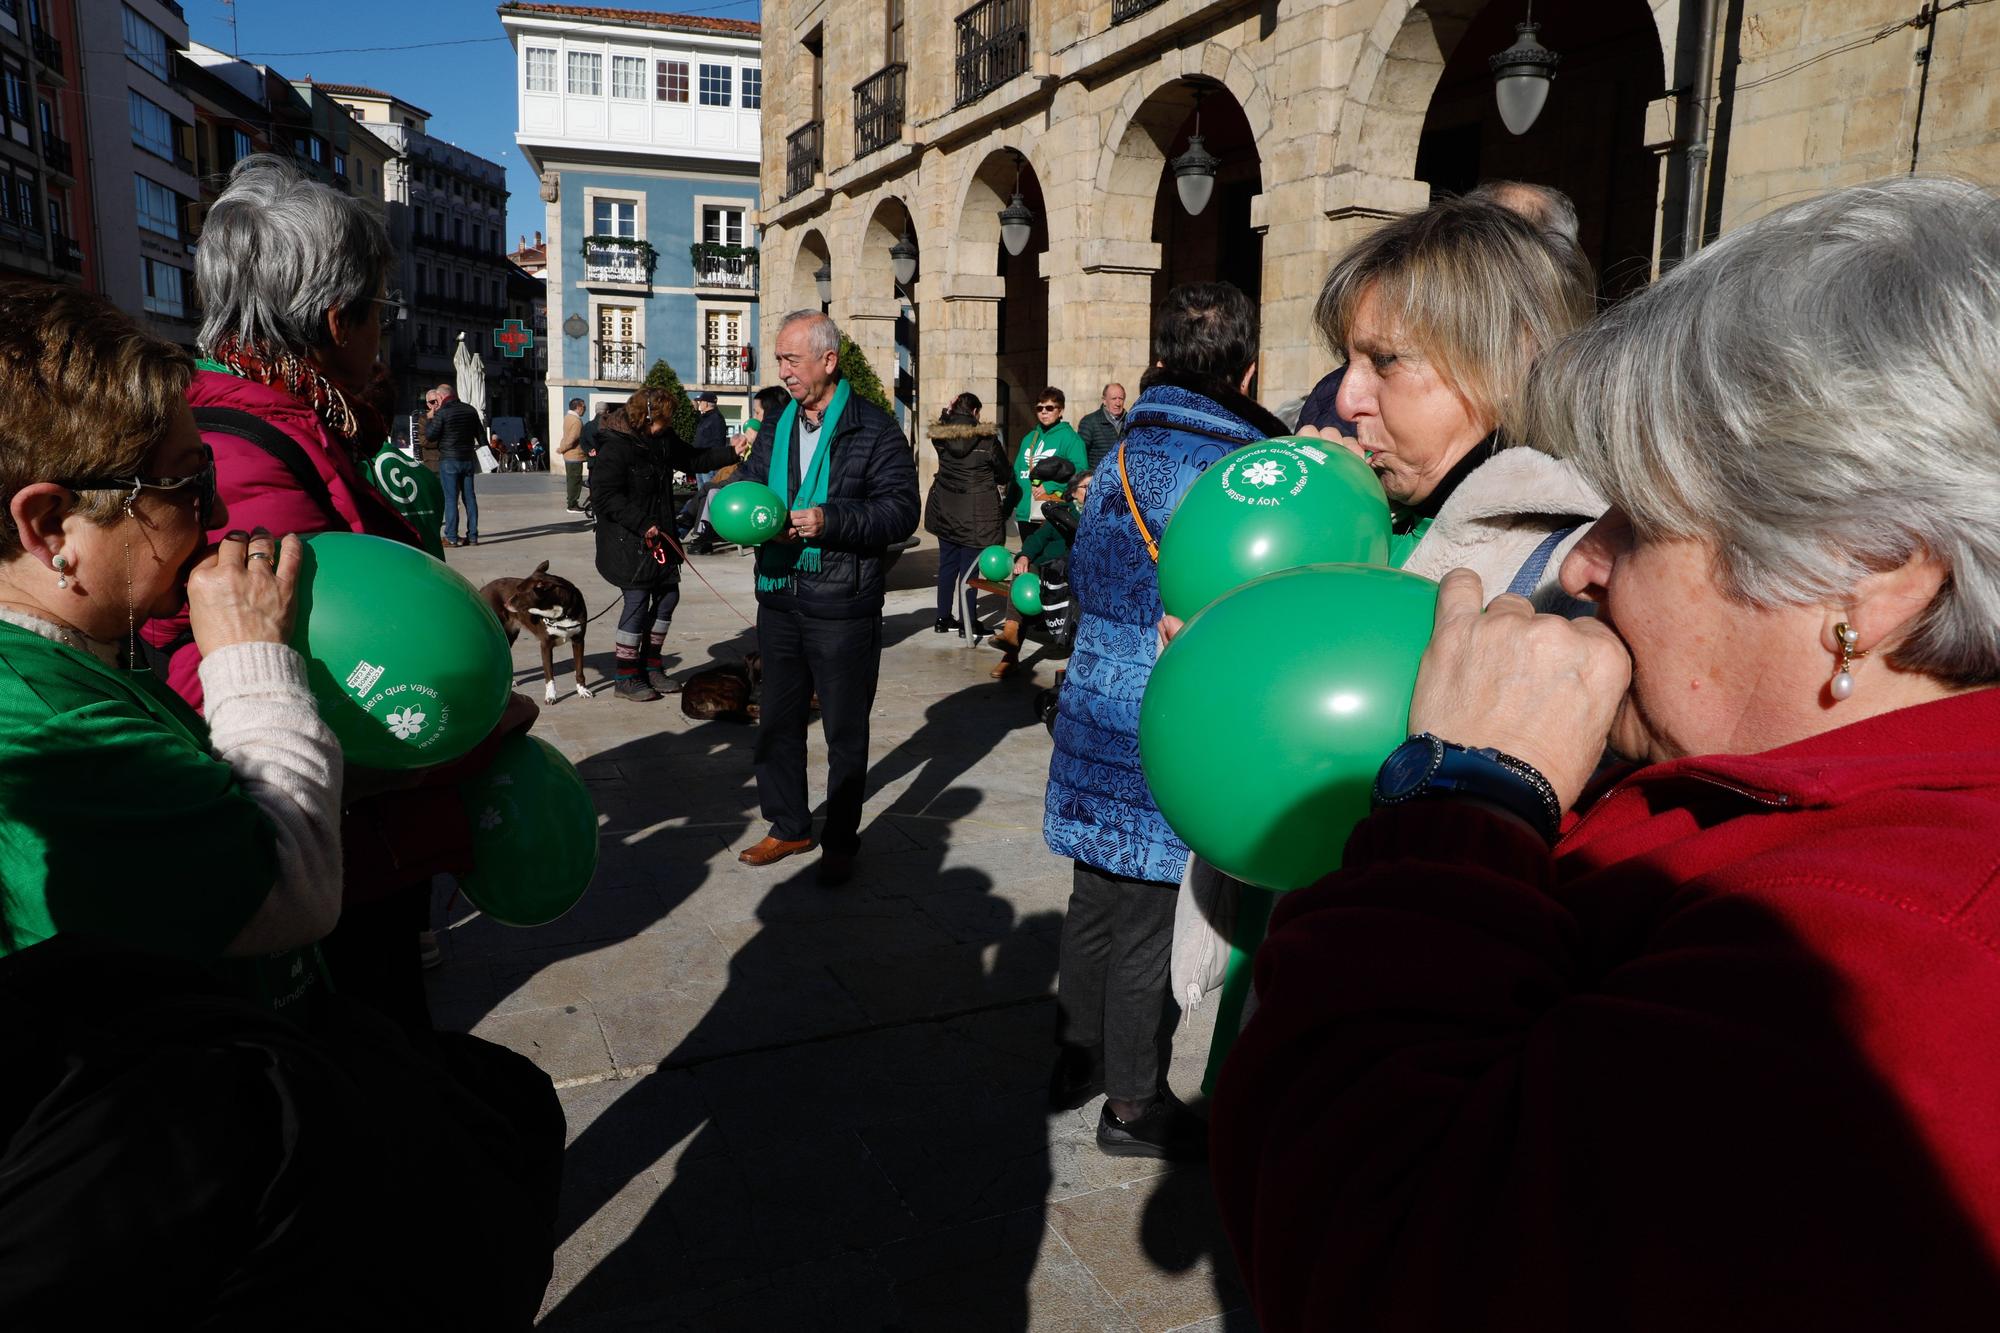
458,476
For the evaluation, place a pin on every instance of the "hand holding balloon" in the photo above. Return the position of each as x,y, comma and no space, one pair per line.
748,513
1541,688
233,599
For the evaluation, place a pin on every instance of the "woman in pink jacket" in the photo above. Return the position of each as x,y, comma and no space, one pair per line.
293,280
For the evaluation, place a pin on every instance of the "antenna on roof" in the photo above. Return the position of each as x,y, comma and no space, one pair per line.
229,17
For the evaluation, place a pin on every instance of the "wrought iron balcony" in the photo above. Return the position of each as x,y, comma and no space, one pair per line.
1131,9
992,47
736,272
803,159
69,255
615,263
622,361
725,364
56,152
47,50
878,110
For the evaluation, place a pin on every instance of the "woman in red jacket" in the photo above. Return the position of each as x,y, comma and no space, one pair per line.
1723,1055
293,280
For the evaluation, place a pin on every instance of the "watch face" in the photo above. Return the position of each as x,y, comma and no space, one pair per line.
1406,769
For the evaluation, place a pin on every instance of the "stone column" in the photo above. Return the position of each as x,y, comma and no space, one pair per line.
1100,316
959,340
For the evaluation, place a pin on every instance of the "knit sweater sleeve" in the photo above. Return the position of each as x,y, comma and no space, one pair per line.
262,721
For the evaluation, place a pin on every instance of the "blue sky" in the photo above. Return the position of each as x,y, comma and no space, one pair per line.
449,57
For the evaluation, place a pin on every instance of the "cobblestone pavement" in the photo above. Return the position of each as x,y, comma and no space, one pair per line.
794,1108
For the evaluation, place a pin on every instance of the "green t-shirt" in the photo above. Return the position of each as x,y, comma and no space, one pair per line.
117,822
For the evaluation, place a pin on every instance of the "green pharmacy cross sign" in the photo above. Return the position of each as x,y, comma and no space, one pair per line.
513,338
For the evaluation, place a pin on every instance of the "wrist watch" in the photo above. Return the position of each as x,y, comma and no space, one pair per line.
1425,766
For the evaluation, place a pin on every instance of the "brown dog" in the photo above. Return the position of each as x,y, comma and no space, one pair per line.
548,607
726,692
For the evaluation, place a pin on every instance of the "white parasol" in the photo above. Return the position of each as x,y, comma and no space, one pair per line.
471,371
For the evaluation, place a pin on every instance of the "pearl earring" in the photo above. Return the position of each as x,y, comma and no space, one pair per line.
61,564
1843,680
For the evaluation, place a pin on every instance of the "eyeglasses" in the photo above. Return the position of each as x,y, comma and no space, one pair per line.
393,309
1047,407
200,484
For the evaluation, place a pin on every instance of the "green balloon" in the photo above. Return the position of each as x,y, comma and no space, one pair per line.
1026,594
408,665
534,834
995,564
1265,774
747,513
1266,507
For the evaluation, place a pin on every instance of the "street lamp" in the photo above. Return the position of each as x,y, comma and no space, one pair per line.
1521,76
903,258
1194,170
1017,220
823,280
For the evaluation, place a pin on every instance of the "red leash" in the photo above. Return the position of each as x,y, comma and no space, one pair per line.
660,555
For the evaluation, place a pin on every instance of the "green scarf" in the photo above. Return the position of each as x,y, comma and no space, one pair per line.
779,565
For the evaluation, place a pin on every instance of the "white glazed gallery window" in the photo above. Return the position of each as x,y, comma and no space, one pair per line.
715,81
753,87
165,288
615,217
541,69
586,74
159,207
628,77
152,127
670,80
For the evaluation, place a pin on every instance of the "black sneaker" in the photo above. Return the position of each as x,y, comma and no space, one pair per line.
1077,1077
1165,1129
636,689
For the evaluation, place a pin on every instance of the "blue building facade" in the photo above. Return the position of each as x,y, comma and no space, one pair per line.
645,132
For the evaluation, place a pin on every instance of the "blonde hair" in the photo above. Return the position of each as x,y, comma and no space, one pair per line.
1474,289
84,393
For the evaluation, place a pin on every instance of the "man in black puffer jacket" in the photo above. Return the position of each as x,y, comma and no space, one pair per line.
819,589
631,485
454,427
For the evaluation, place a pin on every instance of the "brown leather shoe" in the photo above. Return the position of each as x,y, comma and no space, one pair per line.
773,850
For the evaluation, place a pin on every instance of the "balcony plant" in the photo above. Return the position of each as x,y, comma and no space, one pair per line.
703,251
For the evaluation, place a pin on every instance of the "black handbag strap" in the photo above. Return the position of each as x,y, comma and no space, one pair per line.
256,430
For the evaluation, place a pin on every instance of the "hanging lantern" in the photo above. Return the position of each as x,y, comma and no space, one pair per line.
1521,76
1194,172
1017,222
823,279
903,258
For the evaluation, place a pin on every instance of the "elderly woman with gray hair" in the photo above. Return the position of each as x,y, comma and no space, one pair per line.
294,282
1710,1046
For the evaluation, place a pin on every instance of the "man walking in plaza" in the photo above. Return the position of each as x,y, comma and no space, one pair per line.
455,429
710,432
1102,429
571,450
844,471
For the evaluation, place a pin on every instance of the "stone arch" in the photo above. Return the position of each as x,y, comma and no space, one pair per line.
879,316
1155,103
980,194
802,291
996,305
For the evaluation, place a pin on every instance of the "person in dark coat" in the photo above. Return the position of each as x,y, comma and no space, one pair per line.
710,430
631,488
846,474
970,497
454,427
1104,428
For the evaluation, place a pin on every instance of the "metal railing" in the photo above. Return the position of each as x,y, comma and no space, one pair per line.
614,263
992,47
724,365
803,159
621,361
878,110
56,152
738,274
47,49
1131,9
69,255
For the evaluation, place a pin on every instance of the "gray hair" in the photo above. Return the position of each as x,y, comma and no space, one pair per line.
1548,208
278,251
825,334
1815,396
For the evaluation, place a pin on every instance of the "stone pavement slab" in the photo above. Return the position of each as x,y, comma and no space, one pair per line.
794,1108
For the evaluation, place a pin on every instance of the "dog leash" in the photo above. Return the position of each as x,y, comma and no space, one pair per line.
659,555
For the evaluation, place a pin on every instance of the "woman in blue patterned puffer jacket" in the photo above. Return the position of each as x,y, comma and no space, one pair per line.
1116,934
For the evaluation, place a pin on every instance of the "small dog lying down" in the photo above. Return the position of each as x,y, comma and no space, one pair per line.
548,607
726,691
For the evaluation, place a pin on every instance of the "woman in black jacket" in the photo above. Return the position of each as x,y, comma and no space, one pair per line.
631,487
970,497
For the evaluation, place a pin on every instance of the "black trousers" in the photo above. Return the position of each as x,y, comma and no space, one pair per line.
1112,977
840,659
954,563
